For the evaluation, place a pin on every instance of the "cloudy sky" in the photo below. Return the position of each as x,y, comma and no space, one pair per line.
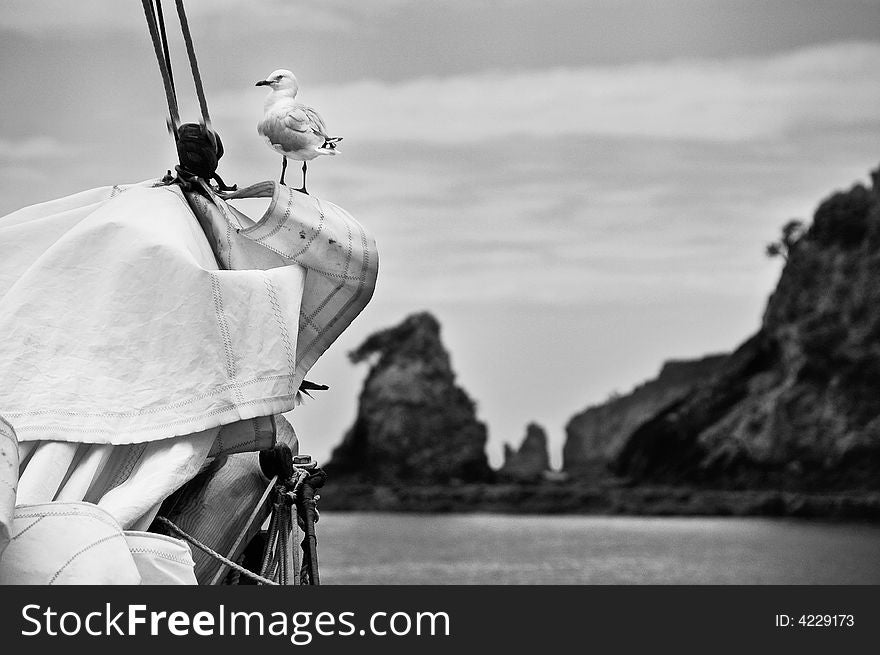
578,189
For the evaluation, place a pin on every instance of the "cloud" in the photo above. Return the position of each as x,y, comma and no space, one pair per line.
86,18
726,101
583,218
31,148
83,17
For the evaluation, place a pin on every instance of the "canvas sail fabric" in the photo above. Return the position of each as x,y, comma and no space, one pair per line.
8,480
129,481
60,542
140,343
121,327
80,543
124,330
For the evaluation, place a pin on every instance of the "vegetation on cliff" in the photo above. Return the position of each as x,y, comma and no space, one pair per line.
796,405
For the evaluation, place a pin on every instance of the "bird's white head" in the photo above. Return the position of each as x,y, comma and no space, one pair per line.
281,80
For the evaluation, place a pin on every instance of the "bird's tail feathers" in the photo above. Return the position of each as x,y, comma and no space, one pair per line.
330,145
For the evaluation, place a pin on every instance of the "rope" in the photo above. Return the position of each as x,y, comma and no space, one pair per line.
282,548
271,534
191,53
276,556
161,16
170,95
213,553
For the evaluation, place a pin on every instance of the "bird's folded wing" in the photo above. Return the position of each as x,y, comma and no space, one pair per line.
305,119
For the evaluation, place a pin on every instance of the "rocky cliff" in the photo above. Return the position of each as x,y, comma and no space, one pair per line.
531,461
798,404
413,422
595,437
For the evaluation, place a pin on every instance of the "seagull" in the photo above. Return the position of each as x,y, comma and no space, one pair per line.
291,128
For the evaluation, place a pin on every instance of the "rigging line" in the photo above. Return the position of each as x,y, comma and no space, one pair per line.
197,78
161,16
214,554
166,81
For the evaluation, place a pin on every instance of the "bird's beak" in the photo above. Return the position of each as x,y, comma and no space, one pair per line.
263,83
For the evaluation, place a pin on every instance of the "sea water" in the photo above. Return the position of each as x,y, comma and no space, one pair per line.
384,548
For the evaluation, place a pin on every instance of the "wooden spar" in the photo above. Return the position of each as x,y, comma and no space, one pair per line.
258,515
310,538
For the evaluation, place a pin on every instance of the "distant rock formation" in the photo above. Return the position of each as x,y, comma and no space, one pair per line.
595,437
413,422
531,461
798,404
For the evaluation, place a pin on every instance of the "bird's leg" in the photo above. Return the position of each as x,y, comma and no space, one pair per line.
283,168
303,189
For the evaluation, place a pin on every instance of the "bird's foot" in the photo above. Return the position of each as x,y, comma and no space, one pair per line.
302,190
